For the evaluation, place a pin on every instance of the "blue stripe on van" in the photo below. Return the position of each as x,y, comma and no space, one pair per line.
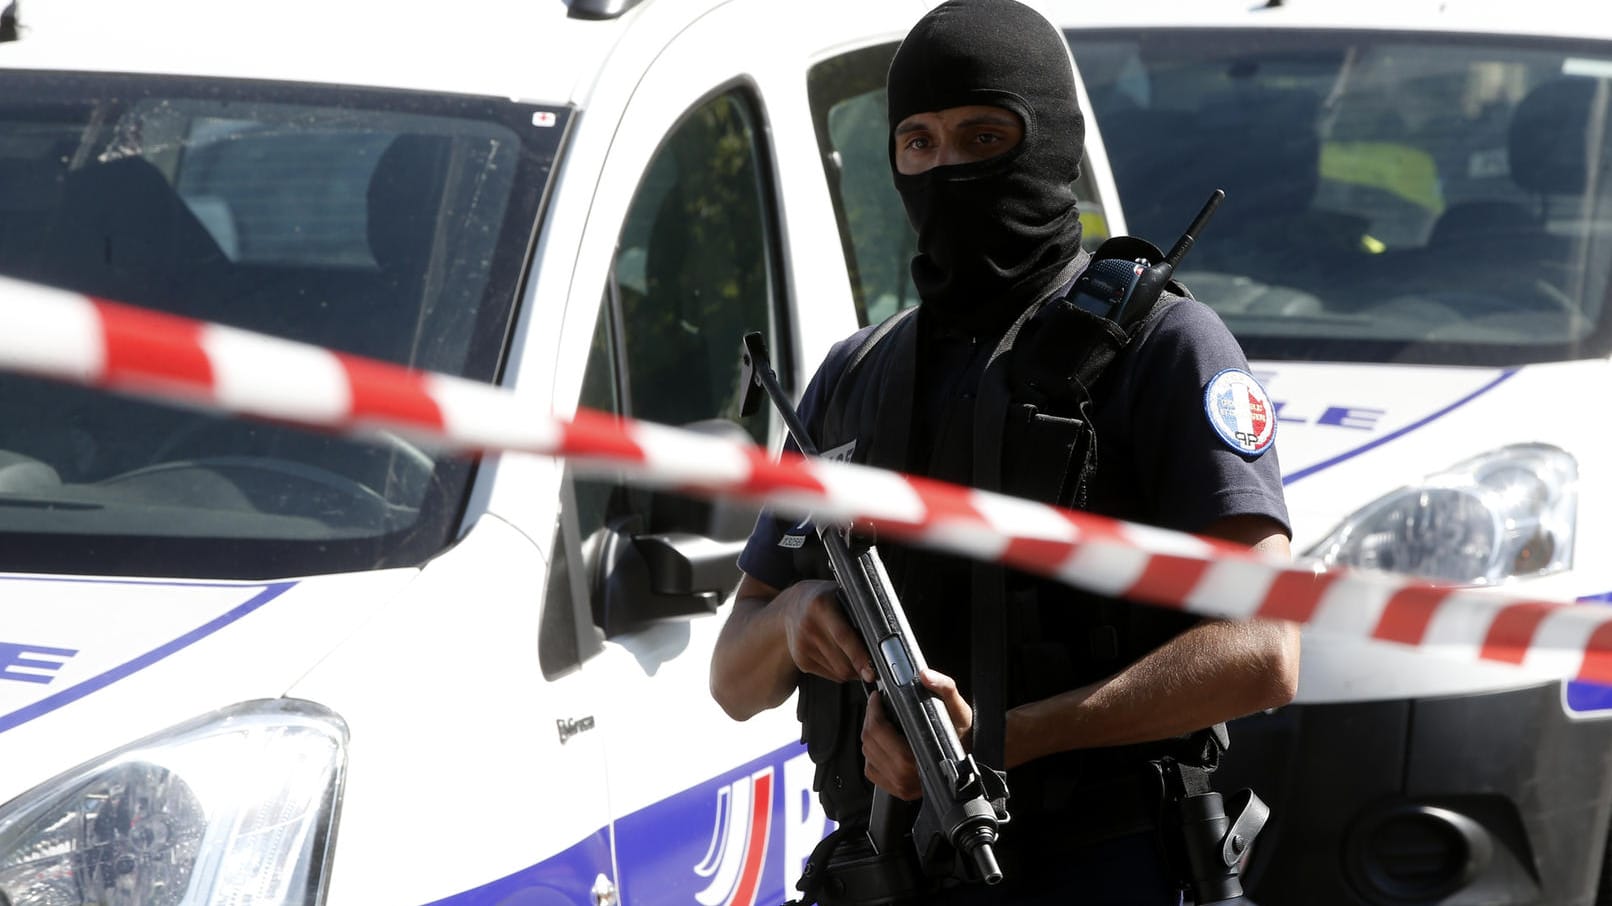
665,852
263,595
1322,466
659,847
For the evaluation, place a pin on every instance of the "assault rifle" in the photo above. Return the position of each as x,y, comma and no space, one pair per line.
956,809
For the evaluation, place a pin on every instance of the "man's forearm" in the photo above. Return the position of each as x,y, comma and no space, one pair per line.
1213,672
751,670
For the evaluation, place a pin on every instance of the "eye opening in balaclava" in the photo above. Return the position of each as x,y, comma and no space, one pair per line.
997,234
1002,100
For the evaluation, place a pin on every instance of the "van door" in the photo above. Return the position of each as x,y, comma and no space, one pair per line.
705,809
694,271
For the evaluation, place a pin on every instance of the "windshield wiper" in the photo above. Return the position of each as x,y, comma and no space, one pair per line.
46,503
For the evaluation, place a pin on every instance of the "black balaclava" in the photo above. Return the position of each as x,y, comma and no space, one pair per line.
998,234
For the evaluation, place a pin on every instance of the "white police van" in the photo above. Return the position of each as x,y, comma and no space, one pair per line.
1415,252
241,663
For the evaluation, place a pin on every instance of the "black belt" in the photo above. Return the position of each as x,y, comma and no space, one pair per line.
1091,813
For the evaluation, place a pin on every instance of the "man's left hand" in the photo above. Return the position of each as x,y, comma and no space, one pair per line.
890,763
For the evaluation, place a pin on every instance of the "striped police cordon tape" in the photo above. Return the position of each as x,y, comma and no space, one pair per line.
75,338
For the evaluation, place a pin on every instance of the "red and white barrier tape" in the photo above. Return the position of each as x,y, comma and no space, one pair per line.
75,338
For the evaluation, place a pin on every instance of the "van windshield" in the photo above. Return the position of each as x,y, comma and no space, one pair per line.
1391,197
384,223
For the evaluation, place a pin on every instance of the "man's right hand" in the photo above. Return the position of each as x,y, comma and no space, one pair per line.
774,636
821,640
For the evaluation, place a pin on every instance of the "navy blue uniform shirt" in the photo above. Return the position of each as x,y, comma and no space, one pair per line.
1160,459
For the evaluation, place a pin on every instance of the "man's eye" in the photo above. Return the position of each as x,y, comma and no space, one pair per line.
917,143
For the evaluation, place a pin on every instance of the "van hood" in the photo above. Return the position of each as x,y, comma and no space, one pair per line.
88,665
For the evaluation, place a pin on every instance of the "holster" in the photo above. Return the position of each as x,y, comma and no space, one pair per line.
830,717
1206,836
844,870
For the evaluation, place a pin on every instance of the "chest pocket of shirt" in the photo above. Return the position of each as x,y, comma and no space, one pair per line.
1049,443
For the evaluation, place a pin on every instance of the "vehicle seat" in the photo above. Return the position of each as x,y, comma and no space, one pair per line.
1490,244
1266,154
404,203
1549,137
1149,150
1482,220
122,232
1263,147
119,232
30,190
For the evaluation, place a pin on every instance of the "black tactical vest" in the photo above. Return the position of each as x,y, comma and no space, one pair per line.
1030,436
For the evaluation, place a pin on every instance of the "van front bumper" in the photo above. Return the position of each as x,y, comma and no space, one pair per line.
1496,798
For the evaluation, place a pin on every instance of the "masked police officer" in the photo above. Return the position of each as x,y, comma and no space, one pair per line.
1090,694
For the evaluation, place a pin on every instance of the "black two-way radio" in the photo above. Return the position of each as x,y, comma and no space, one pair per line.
1127,274
1072,339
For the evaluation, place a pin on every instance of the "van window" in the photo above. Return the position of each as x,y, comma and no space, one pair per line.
1432,198
695,270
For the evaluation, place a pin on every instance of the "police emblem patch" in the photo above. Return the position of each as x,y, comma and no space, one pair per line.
1240,411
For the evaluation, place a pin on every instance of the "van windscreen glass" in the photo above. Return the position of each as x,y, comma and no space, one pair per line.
389,224
1432,198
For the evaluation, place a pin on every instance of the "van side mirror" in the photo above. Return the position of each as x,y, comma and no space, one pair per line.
641,578
671,557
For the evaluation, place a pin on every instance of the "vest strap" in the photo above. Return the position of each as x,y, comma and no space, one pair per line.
895,404
988,610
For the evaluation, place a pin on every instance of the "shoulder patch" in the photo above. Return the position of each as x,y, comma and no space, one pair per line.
1240,411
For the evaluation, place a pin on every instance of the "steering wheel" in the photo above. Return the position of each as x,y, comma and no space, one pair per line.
209,437
1558,297
369,502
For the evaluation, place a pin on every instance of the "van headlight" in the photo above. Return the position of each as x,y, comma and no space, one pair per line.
1506,514
235,808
